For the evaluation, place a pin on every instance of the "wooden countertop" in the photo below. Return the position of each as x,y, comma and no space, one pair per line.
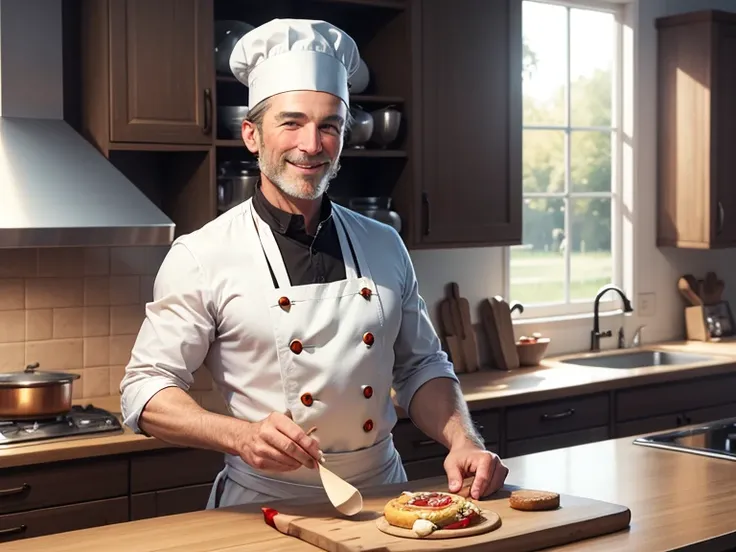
484,389
676,499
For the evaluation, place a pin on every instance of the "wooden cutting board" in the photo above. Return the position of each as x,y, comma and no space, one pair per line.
496,318
458,331
576,519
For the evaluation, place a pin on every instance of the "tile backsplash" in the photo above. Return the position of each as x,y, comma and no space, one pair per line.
79,310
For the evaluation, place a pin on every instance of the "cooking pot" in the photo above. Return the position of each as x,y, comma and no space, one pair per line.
236,183
377,208
36,395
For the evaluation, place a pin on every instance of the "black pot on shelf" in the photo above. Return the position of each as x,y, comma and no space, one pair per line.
378,208
236,182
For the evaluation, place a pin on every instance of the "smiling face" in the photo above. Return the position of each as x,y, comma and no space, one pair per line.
299,141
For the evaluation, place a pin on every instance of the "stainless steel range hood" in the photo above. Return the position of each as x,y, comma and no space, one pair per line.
56,189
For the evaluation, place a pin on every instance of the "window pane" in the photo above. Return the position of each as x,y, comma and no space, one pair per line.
591,262
592,43
538,266
590,161
543,158
544,28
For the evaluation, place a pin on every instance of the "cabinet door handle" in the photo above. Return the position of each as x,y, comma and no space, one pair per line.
721,217
12,531
425,206
207,126
15,491
566,414
426,443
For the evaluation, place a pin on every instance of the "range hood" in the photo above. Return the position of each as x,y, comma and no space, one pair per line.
56,189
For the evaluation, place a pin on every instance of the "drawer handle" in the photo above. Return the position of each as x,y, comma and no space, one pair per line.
13,531
566,414
17,490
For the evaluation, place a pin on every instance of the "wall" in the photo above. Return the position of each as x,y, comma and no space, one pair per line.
78,310
654,271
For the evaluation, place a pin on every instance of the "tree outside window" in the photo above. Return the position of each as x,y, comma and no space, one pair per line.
570,149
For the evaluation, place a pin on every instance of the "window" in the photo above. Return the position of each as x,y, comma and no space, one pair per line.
571,157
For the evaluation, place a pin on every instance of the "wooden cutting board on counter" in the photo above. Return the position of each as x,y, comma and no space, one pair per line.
496,319
458,331
577,519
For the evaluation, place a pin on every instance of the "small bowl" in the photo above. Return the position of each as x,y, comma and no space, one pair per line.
531,354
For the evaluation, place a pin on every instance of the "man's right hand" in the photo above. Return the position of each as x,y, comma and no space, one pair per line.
278,444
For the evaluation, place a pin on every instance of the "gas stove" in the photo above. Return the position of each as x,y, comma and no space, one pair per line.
80,422
716,439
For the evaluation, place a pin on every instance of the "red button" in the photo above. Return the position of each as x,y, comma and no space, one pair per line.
284,302
368,338
367,391
296,347
366,293
368,426
307,399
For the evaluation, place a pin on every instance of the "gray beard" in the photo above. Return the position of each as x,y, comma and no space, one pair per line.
276,173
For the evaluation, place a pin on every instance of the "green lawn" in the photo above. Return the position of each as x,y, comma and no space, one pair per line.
538,276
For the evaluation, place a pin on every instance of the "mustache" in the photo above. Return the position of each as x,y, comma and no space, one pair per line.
308,160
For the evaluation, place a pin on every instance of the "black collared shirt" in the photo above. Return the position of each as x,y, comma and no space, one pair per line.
309,259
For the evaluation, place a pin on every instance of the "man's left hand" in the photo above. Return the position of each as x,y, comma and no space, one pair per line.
468,459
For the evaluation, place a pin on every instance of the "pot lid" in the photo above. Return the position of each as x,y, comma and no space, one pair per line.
31,378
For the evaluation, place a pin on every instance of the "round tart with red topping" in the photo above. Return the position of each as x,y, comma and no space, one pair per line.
425,512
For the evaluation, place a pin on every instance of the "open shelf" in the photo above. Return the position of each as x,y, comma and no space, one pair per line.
347,152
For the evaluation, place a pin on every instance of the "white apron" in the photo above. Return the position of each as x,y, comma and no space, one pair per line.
335,372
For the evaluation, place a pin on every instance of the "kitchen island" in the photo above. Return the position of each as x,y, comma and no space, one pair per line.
676,500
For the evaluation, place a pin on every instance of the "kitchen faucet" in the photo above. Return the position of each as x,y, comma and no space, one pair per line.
596,334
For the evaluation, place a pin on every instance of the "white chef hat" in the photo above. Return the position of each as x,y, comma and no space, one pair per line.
294,54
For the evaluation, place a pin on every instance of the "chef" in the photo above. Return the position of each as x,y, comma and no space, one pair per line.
306,314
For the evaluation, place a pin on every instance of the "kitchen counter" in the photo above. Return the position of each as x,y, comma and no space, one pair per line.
483,389
676,500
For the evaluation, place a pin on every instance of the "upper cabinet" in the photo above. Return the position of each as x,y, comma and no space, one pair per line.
148,70
468,120
697,130
437,104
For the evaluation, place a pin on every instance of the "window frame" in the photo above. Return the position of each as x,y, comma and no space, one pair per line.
620,256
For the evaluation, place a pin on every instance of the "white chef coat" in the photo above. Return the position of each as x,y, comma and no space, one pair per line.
329,353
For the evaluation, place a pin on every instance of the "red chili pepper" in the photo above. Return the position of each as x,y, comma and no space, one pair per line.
458,524
268,515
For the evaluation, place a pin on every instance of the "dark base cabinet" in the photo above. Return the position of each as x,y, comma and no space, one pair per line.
46,521
44,499
579,419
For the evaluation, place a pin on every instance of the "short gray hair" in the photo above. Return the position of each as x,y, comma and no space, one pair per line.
256,115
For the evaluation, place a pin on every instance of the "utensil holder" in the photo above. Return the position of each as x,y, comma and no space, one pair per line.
709,322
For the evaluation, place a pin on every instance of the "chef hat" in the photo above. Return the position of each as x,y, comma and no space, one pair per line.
294,54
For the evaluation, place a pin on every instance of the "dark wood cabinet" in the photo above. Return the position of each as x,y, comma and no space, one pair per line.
169,502
696,130
468,119
147,71
146,92
77,494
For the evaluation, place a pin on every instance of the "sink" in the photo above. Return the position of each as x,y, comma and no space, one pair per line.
638,359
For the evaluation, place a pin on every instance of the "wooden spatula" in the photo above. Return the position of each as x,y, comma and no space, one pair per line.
344,497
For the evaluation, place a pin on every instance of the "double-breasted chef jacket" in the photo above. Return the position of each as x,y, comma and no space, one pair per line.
328,353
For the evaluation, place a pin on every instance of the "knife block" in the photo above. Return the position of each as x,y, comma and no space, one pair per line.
709,322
